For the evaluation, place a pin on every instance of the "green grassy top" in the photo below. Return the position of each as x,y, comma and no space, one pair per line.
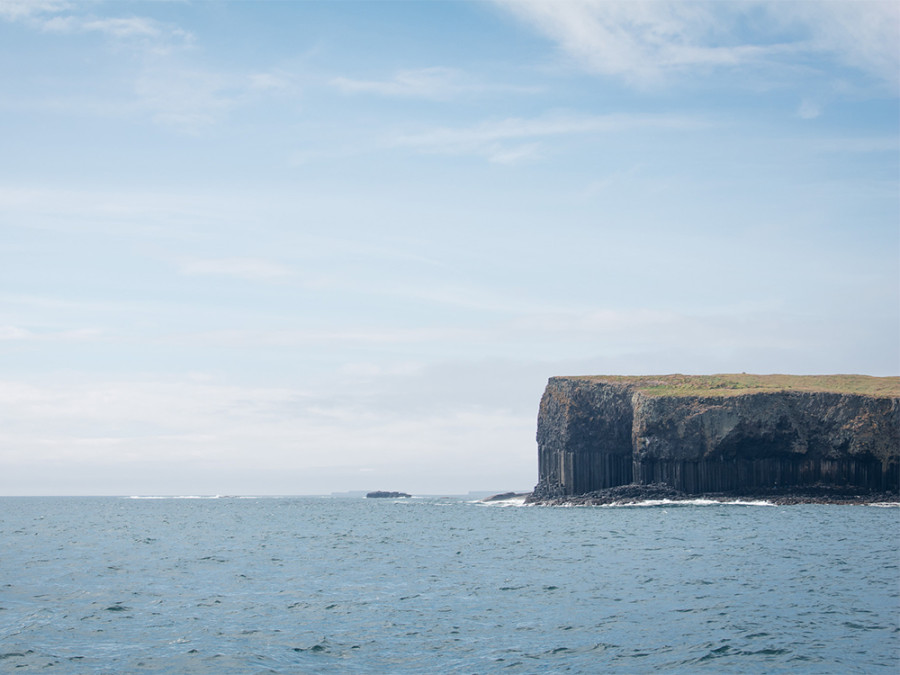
734,385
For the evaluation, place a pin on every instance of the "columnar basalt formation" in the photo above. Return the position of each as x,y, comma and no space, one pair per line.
723,433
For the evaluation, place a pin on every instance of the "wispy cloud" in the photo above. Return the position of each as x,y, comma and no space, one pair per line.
862,34
809,110
68,18
116,27
174,93
192,99
22,334
640,41
434,83
253,269
428,83
273,81
357,336
645,42
16,10
189,100
136,213
514,139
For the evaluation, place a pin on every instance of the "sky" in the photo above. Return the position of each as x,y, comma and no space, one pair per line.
313,247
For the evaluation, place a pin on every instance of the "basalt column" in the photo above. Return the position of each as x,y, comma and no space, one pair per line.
728,444
584,437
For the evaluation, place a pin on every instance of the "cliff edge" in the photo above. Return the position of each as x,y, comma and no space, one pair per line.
738,434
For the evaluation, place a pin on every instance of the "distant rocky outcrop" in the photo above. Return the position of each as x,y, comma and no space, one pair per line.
504,496
382,494
731,434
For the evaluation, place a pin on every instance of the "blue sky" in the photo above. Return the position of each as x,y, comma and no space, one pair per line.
303,247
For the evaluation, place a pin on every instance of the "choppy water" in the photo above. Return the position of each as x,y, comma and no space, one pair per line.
318,585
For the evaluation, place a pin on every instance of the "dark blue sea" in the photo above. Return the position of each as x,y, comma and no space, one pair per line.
445,585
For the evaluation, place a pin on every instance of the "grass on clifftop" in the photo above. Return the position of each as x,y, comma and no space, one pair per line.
735,385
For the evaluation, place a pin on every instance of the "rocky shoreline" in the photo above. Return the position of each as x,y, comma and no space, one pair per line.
635,494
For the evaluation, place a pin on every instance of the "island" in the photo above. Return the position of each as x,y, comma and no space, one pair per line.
719,434
383,494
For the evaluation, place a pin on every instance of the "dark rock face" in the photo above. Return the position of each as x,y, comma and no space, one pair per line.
595,434
383,494
584,437
621,494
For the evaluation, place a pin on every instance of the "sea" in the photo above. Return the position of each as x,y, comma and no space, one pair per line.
445,585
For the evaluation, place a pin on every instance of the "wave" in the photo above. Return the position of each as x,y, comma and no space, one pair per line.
512,501
178,497
649,503
696,502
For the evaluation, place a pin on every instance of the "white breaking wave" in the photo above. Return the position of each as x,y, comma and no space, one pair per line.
695,502
675,502
512,501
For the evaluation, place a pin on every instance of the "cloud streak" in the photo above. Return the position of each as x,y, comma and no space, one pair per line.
492,139
17,10
183,97
252,269
436,83
23,334
646,42
64,18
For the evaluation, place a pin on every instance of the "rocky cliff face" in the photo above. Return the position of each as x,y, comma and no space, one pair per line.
584,437
595,433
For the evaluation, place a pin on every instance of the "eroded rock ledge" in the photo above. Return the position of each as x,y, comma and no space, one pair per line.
641,494
775,435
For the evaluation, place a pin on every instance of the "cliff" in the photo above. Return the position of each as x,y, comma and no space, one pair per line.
721,433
